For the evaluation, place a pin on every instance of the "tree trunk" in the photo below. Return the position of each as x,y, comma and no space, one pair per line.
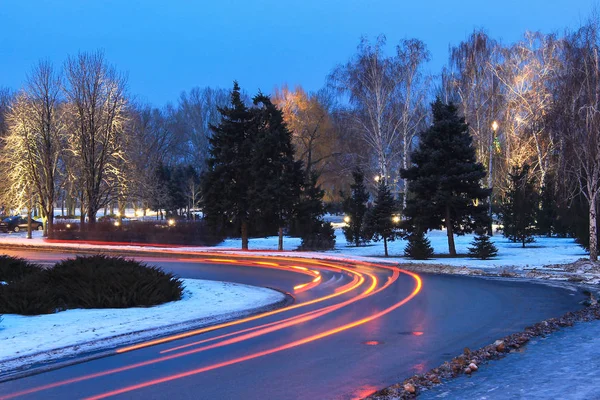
280,247
593,235
91,213
385,246
244,235
29,219
50,227
450,233
490,183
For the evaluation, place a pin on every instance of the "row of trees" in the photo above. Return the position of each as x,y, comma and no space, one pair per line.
74,135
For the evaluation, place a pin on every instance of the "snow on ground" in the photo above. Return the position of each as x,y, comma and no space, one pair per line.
564,365
544,251
203,302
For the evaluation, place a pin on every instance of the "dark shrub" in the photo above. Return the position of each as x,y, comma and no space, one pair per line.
112,282
182,232
14,268
88,282
321,239
418,247
30,295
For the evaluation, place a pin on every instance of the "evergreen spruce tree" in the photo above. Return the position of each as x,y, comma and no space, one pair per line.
546,215
277,177
482,247
316,234
519,207
445,179
355,208
418,247
380,219
227,182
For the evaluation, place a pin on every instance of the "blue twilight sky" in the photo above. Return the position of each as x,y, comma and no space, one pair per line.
173,45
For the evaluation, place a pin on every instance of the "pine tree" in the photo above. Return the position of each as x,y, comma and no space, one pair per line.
482,248
418,247
546,215
445,180
355,208
382,219
316,234
519,207
277,177
227,183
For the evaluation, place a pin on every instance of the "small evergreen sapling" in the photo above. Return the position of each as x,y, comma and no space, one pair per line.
519,207
355,208
418,247
483,248
380,220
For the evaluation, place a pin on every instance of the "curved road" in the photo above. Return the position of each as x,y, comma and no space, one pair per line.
353,328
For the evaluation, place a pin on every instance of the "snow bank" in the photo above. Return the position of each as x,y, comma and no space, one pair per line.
209,301
560,366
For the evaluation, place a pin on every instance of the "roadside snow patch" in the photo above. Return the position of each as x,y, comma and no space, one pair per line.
86,330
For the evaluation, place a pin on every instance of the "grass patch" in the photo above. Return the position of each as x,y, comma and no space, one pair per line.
88,282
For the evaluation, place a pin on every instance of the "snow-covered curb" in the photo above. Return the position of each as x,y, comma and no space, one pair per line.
40,339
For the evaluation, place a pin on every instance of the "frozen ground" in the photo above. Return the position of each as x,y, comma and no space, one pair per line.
544,251
75,331
565,365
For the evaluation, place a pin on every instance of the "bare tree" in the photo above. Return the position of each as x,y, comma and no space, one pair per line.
6,98
473,62
526,73
194,114
371,81
413,91
35,140
96,93
580,94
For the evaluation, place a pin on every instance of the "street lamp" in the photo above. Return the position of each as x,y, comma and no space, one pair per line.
347,219
395,219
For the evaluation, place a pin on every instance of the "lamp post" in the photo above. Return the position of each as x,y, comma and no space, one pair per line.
490,171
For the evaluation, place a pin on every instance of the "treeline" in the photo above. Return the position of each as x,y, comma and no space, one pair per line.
531,105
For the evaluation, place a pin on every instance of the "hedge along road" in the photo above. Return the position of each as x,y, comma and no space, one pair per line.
353,328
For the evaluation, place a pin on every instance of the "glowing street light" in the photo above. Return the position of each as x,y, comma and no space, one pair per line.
117,223
347,219
171,222
377,178
495,126
395,219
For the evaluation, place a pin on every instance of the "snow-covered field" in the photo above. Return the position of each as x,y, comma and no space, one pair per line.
76,331
543,251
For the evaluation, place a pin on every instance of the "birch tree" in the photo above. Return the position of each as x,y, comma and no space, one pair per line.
412,55
371,81
580,94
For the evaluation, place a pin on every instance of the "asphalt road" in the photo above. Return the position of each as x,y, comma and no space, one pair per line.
353,328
